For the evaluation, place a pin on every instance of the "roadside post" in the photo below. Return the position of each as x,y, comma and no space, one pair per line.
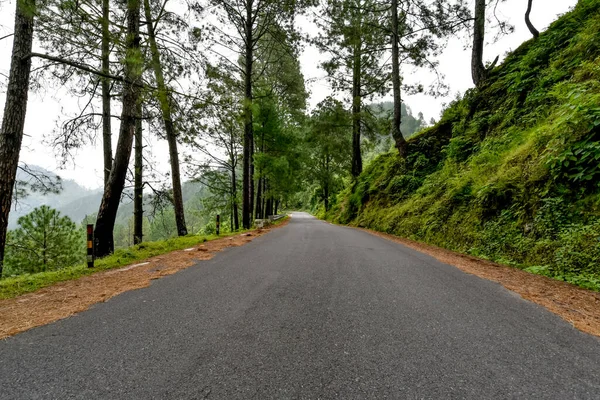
90,246
218,224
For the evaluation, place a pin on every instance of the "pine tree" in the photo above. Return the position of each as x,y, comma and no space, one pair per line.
417,30
44,241
15,109
353,39
252,21
328,139
164,100
103,233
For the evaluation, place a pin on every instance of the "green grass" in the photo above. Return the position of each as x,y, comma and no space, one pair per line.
18,285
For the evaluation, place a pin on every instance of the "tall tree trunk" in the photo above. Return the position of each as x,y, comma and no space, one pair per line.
15,109
252,183
236,218
138,191
106,122
269,207
258,212
231,213
109,206
264,201
397,121
478,70
248,179
163,98
326,184
356,112
260,194
532,29
44,249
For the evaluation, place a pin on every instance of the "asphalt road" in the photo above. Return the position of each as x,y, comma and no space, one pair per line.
307,311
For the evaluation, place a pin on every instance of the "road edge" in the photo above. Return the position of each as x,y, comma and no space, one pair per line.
67,298
578,306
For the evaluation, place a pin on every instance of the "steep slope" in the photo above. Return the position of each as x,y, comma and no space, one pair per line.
512,171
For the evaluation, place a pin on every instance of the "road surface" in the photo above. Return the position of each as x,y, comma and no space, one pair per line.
308,311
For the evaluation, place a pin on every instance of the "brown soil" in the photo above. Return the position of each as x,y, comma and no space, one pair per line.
70,297
579,307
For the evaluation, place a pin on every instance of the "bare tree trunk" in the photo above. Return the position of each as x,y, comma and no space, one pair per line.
478,71
258,212
163,98
234,201
15,109
106,123
260,194
252,183
326,185
248,179
356,111
397,121
269,207
532,29
264,201
231,213
236,218
109,206
138,190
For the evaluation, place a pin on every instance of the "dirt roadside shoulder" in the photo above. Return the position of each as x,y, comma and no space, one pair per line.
67,298
580,307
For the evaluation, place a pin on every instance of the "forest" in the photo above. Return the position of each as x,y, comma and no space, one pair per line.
509,173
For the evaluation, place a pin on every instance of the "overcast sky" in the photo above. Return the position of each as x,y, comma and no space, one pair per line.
46,107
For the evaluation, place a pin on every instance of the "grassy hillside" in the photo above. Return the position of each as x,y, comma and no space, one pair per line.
511,172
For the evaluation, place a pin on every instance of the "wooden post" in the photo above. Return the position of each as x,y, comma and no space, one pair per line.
218,224
90,246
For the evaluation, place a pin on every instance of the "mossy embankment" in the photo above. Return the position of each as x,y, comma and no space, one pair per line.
511,172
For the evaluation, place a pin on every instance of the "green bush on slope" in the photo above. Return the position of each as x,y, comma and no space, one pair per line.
511,173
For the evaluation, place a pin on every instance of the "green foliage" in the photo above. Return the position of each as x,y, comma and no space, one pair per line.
511,171
44,241
577,163
329,140
579,250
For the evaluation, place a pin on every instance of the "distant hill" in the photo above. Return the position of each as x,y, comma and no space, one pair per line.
76,202
410,124
71,201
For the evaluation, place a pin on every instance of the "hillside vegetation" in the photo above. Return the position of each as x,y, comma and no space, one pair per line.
511,172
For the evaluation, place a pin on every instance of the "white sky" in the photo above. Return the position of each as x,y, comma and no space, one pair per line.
45,108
